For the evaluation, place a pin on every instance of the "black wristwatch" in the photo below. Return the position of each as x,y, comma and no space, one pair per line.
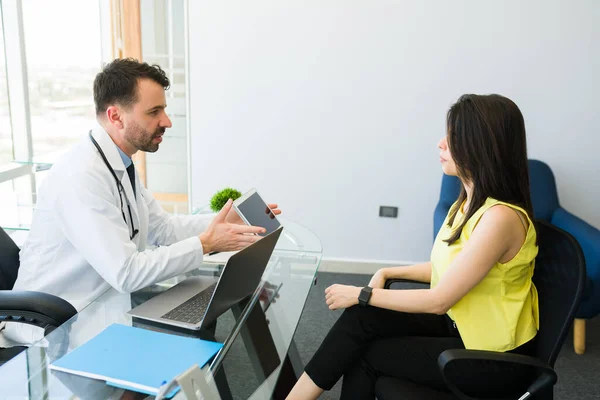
365,296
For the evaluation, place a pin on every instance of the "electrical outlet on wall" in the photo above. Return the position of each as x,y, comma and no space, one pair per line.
388,211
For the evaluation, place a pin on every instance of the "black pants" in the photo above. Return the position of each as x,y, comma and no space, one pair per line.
366,343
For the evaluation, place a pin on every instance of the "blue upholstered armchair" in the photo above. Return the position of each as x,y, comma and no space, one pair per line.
546,206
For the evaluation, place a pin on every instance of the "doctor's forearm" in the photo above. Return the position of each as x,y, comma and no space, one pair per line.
145,268
176,228
190,225
167,229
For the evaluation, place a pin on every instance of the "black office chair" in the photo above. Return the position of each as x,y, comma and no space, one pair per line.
35,308
559,277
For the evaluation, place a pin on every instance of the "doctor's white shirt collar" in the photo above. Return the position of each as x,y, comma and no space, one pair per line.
126,160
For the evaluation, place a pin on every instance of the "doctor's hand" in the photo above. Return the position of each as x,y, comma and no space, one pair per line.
224,236
234,218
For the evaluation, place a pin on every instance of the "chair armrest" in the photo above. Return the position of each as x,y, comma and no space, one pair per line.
487,360
35,308
400,284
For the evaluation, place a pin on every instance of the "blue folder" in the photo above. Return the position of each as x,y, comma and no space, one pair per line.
137,359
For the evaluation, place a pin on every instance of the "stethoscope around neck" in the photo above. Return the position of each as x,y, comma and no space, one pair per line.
120,188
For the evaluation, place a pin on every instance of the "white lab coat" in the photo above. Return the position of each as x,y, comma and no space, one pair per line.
79,245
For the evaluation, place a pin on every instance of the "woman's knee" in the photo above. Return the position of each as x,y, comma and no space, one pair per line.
351,314
362,319
357,311
358,315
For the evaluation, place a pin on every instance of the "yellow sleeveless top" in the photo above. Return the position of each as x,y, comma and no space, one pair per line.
501,312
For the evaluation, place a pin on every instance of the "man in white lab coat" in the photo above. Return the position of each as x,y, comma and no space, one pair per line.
94,221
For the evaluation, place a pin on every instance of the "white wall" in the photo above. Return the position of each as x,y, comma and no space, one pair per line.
333,108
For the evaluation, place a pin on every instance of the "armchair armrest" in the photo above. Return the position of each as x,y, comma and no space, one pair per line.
574,225
486,361
400,284
35,308
587,235
588,238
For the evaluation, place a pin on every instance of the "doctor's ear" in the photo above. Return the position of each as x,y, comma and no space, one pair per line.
113,114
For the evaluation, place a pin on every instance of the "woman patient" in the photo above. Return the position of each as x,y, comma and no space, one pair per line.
481,294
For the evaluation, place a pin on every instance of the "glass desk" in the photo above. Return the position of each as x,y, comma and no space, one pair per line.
42,162
258,361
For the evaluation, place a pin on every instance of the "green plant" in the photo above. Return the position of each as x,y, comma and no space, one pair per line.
220,198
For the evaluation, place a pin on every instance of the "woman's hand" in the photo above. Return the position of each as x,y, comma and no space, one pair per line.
341,296
378,279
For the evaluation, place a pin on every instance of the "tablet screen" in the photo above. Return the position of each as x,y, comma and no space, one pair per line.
257,213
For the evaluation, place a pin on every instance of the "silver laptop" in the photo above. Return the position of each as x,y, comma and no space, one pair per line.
199,300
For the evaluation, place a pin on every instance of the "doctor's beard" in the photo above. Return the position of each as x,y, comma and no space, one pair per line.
142,139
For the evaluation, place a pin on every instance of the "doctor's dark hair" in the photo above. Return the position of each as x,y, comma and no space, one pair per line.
486,138
117,82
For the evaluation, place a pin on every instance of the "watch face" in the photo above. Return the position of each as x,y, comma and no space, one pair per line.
363,297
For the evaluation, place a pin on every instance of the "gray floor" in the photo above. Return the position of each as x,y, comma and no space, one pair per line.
577,375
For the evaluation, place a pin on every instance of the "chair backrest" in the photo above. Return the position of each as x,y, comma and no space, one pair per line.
448,194
544,195
542,184
9,261
559,278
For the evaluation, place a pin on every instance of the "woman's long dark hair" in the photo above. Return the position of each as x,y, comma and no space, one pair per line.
486,138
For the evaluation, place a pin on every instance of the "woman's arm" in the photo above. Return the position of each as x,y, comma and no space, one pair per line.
494,235
417,272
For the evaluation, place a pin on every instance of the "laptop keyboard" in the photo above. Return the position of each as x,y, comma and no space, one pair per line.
192,311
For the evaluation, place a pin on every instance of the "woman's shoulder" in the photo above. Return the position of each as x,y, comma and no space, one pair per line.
499,212
510,219
505,207
505,217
